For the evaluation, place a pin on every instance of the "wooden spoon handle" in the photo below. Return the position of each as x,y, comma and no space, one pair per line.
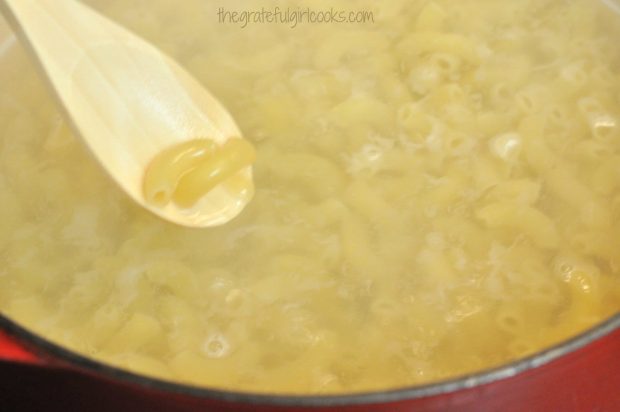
106,77
126,99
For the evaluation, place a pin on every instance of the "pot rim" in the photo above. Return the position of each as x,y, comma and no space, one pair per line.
48,349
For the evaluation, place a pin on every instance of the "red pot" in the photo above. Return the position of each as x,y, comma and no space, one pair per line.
582,374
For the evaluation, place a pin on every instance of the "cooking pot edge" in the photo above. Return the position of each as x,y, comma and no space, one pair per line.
56,355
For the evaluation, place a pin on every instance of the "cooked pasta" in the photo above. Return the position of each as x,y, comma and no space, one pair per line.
187,172
437,193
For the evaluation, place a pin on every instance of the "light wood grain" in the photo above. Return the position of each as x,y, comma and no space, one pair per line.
125,98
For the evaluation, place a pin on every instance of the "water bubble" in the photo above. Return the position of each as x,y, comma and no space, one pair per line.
216,346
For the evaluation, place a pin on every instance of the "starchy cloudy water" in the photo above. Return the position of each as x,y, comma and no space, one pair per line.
437,192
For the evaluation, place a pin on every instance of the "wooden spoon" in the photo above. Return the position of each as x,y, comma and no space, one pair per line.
127,100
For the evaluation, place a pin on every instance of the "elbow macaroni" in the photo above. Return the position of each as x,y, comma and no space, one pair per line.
437,193
187,172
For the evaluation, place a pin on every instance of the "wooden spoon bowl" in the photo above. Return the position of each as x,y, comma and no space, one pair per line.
127,100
